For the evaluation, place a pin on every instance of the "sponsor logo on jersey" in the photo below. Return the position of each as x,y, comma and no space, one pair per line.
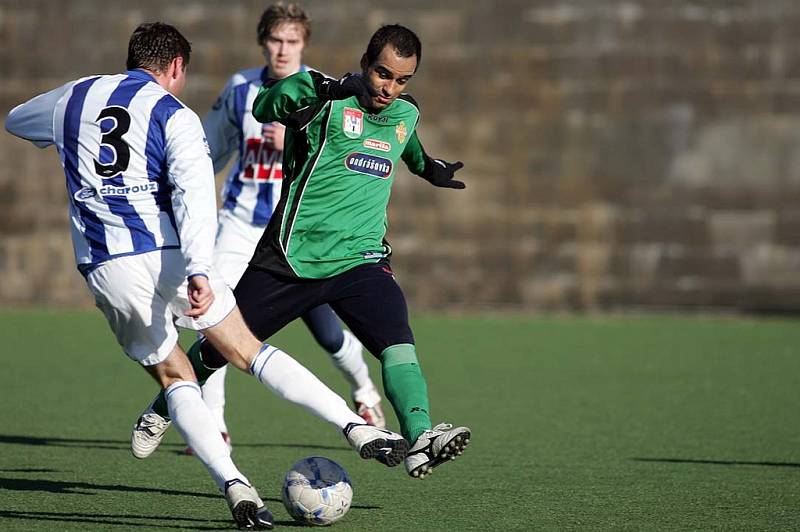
84,193
373,255
378,119
353,122
260,162
365,163
377,145
401,132
135,190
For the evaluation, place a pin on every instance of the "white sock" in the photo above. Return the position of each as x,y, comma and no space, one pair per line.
350,361
196,425
214,396
290,380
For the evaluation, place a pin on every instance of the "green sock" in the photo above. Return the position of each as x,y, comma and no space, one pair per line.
200,370
406,389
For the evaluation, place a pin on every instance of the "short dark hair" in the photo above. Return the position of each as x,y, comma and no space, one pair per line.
405,43
154,45
279,13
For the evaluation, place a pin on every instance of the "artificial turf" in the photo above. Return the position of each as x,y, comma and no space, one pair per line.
579,423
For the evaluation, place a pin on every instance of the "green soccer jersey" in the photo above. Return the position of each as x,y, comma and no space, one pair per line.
339,163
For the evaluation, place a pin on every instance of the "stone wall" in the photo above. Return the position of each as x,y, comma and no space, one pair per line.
618,153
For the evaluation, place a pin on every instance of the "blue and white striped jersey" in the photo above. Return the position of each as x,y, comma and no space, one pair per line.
139,176
253,186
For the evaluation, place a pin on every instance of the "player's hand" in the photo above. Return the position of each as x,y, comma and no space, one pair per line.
273,134
201,296
440,173
352,84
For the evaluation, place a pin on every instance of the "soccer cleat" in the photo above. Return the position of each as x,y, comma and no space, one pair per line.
225,437
435,447
246,506
367,403
148,431
383,445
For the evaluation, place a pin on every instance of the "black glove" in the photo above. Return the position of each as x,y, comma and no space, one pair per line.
348,85
440,173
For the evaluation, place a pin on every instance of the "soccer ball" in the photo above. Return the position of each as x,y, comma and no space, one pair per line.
317,491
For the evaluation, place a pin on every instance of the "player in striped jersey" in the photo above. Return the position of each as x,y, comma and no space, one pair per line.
253,188
141,199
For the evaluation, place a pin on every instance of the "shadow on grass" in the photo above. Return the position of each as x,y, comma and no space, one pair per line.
89,443
716,462
130,520
122,520
290,523
29,470
63,442
86,488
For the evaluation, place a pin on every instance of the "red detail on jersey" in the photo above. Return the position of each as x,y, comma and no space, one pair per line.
353,122
261,163
377,145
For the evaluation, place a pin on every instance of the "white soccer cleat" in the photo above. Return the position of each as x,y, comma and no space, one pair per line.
148,431
367,403
383,445
435,447
246,506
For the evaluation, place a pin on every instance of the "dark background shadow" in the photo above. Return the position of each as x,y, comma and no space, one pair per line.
716,462
119,520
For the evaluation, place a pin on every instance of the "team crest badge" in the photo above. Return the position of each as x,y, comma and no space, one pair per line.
353,123
401,132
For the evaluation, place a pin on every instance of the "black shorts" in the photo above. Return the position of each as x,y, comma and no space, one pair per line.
366,298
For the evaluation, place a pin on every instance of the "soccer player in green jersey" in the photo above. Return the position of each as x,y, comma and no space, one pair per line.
326,240
252,190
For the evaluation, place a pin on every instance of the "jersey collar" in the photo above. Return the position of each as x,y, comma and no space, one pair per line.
141,74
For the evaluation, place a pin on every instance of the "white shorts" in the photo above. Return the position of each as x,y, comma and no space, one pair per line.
236,242
144,297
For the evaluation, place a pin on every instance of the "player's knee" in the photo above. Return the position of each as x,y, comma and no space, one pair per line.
174,369
398,354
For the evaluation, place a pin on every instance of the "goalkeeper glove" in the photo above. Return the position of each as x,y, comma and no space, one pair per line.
440,173
346,86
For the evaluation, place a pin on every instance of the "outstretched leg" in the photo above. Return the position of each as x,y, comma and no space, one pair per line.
290,380
372,305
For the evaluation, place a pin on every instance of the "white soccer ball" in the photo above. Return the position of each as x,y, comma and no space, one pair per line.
317,491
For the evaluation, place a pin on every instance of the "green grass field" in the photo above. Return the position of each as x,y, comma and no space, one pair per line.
638,423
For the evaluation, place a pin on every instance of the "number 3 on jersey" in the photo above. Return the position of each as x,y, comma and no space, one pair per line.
114,121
